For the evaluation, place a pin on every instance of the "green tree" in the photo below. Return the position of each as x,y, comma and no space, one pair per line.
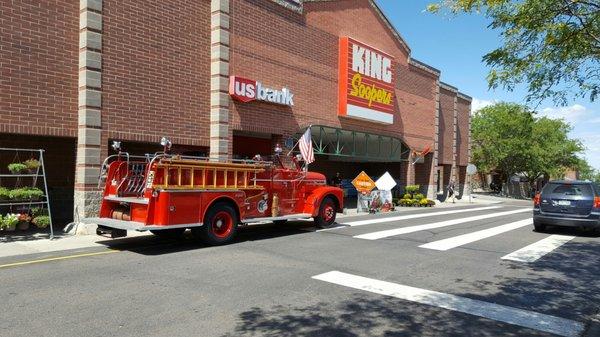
586,171
509,138
552,46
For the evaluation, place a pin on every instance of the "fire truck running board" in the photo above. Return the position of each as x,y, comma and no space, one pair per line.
285,217
133,225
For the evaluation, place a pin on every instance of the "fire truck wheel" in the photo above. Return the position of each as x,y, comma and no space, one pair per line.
220,225
327,213
174,233
280,222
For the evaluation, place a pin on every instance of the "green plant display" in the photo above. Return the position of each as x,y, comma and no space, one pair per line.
37,211
41,221
9,221
4,193
407,196
26,193
419,196
412,189
16,168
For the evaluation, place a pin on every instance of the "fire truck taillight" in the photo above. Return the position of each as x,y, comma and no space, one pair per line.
537,199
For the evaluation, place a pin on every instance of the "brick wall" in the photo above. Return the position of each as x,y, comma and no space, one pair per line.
301,52
446,126
156,71
38,66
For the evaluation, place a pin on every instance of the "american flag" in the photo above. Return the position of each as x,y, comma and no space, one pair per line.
305,144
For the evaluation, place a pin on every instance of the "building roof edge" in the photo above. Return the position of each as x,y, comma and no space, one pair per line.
383,17
424,66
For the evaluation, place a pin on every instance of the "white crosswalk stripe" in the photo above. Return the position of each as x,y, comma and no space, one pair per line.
525,318
418,228
464,239
408,217
538,249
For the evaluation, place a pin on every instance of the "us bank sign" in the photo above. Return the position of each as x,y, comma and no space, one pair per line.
366,83
246,90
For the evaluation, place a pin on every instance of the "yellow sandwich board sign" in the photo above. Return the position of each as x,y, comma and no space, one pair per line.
363,183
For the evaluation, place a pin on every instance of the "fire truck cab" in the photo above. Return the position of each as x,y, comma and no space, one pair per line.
167,194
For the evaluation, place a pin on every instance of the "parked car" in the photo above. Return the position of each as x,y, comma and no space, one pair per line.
567,203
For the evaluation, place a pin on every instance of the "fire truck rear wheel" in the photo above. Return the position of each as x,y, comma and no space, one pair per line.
327,213
220,225
173,233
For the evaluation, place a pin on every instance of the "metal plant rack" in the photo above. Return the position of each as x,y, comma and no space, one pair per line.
40,173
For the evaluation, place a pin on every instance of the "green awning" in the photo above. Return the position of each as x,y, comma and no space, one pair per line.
349,145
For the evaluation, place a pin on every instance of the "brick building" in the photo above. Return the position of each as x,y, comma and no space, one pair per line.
76,75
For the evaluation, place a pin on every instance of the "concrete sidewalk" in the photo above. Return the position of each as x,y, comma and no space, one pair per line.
39,243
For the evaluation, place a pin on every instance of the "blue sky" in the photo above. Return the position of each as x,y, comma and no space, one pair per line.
456,44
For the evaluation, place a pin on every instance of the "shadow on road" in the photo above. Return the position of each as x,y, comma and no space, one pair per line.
152,245
368,315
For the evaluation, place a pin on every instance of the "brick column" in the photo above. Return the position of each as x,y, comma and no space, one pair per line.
432,191
87,196
454,175
466,184
220,135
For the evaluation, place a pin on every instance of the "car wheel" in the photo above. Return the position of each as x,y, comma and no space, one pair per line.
174,233
539,227
327,213
220,225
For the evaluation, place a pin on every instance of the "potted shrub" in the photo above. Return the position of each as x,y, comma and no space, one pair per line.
16,168
32,165
4,194
23,223
424,202
41,221
37,211
419,196
10,222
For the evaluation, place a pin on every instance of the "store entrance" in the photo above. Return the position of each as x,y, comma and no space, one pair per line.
348,170
349,152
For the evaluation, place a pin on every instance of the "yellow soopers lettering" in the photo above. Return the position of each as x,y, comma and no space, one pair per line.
370,93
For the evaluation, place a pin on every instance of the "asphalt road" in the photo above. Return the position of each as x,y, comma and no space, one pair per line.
280,281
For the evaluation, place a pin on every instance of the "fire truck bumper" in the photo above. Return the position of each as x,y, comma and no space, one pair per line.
115,228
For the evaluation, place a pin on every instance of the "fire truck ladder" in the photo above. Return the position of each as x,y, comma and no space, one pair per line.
210,175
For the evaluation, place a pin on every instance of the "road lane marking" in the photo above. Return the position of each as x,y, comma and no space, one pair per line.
406,217
57,258
464,239
497,312
538,249
418,228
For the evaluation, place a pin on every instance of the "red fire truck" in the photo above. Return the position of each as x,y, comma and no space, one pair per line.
167,194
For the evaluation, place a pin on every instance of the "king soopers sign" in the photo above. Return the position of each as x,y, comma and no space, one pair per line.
366,80
246,90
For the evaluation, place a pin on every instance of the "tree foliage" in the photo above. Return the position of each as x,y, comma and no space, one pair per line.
552,46
587,172
511,139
